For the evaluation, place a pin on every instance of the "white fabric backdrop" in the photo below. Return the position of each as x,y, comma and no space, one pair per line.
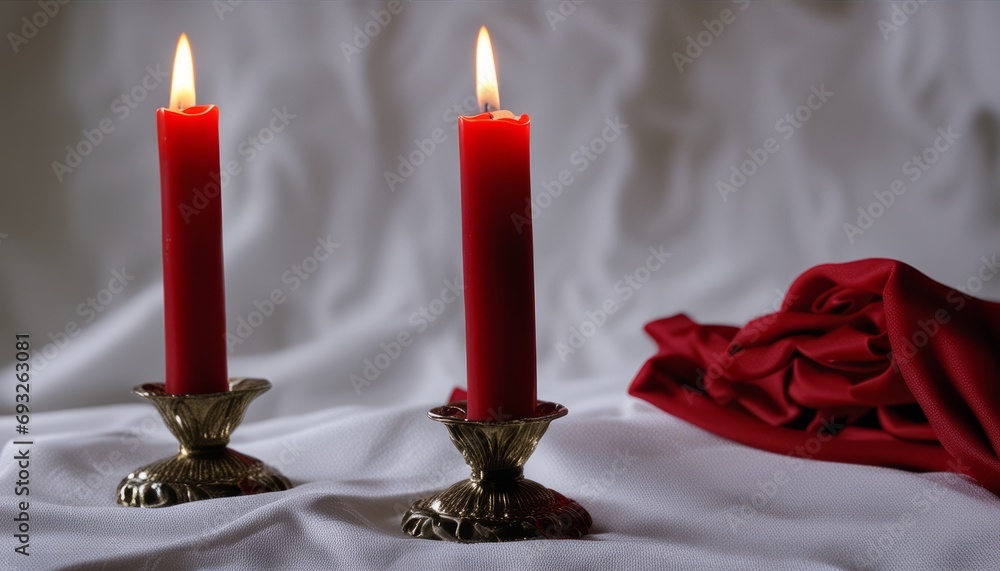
356,451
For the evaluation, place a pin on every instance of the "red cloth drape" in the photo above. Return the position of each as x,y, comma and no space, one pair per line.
869,362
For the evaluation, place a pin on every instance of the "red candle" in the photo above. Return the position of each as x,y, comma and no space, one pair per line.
497,253
193,286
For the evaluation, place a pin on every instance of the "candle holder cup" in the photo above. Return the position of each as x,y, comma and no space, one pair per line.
497,503
205,467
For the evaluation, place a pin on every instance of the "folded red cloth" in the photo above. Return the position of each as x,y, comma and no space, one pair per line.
869,362
457,394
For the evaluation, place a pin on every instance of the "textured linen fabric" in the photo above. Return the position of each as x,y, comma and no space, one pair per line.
314,129
900,369
663,495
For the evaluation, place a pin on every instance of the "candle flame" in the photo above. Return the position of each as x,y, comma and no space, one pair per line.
487,91
182,79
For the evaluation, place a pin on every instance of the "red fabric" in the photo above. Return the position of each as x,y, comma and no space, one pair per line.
904,370
457,394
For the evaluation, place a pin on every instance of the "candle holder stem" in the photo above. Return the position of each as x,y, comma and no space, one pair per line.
497,503
204,467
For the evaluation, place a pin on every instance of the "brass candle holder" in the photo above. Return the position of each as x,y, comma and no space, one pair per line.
497,503
204,467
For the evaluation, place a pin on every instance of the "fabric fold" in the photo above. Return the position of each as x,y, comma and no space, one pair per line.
866,362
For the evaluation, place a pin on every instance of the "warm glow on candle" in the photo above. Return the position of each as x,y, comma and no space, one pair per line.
487,91
182,80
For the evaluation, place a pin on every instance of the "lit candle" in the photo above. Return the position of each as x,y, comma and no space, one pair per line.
193,284
497,253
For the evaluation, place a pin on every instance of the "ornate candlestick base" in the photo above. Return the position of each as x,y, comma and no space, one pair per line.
204,468
497,503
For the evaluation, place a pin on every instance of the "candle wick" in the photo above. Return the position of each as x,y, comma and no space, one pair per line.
486,107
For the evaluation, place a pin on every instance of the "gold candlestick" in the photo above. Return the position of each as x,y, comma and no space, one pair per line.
497,503
204,467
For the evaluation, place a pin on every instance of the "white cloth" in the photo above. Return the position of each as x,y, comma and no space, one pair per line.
663,494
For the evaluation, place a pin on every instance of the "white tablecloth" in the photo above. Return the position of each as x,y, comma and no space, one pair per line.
663,495
320,101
